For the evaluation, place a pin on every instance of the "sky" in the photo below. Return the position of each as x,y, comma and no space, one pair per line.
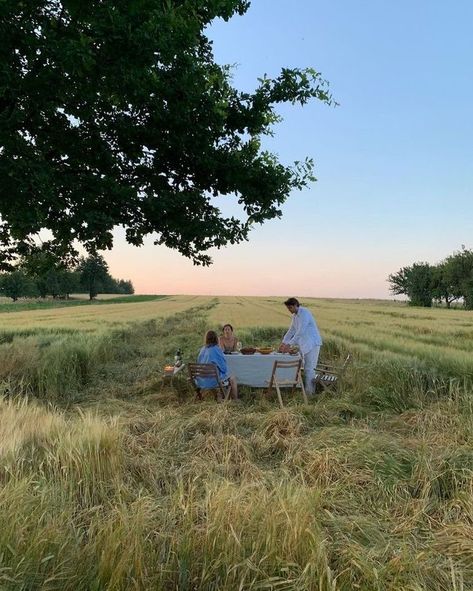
393,160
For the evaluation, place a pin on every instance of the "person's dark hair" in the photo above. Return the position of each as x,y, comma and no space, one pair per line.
211,338
292,302
229,325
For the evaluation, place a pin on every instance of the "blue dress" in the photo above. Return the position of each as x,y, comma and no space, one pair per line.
213,354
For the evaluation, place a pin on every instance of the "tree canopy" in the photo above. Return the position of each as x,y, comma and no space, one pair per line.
115,113
415,282
449,280
40,274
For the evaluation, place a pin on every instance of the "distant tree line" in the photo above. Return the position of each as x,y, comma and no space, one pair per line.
41,275
449,281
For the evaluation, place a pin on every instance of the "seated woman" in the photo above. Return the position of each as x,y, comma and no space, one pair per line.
211,353
227,341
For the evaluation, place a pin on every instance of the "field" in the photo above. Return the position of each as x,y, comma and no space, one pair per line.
112,479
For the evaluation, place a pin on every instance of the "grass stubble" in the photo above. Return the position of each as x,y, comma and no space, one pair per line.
112,480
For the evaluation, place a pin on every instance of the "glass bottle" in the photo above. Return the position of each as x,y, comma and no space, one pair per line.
178,358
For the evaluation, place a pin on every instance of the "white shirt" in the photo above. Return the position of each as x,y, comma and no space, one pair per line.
303,331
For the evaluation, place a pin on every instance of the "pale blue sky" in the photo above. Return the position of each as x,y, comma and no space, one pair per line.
394,160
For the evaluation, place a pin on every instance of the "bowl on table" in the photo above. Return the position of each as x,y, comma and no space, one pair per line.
265,350
247,350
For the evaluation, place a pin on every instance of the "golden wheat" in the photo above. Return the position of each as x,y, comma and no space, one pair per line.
138,487
92,318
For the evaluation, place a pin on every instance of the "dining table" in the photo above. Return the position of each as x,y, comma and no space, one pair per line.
256,369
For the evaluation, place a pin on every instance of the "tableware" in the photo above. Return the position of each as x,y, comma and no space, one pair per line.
264,350
248,350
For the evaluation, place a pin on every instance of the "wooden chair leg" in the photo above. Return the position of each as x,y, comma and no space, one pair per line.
281,404
304,394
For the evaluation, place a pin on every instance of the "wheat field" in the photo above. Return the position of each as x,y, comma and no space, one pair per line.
114,479
94,318
439,338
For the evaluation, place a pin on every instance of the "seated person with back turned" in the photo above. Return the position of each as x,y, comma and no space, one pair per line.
227,341
211,353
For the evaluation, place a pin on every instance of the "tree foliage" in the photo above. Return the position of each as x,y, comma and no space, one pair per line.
415,282
93,272
115,113
44,275
450,280
16,284
460,273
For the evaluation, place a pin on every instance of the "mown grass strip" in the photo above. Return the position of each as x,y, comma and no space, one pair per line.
21,306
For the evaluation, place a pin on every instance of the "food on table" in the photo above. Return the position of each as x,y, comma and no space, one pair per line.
247,350
264,350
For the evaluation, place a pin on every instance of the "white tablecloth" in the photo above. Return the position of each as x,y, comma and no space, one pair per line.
255,370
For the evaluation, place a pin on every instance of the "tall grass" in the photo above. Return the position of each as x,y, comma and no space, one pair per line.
60,366
97,317
6,305
126,483
226,497
439,338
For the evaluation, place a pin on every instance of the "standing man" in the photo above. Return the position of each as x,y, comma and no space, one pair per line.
304,333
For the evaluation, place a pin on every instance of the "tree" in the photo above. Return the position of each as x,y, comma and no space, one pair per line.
444,282
93,273
399,284
460,273
115,113
125,287
416,282
68,282
48,273
16,284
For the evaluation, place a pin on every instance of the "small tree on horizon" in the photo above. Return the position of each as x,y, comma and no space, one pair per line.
126,287
444,283
93,272
460,269
16,284
416,282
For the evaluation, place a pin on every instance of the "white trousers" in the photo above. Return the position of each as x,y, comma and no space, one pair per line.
310,362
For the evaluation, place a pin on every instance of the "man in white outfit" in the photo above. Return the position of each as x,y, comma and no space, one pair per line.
304,333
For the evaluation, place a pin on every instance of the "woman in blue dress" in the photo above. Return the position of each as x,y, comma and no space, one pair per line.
211,353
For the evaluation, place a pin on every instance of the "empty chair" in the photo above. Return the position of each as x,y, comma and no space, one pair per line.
330,376
289,377
208,371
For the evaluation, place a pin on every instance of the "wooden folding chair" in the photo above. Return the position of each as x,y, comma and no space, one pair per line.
205,371
330,376
279,383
